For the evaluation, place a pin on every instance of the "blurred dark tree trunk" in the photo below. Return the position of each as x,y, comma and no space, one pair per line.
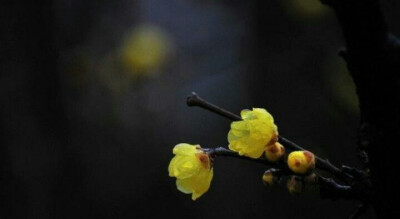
373,59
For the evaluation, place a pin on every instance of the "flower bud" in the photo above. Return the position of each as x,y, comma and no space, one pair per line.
274,152
295,185
271,177
301,162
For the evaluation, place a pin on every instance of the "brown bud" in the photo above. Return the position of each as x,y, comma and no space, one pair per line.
311,179
295,185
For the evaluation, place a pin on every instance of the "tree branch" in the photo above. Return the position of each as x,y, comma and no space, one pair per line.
196,100
329,187
223,152
323,164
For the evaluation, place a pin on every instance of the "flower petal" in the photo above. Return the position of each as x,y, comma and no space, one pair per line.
183,167
185,185
185,149
202,183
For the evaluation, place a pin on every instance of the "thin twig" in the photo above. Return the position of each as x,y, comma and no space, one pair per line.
223,152
329,182
196,100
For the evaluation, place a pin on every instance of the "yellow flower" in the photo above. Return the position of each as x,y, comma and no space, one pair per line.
301,162
192,168
274,152
253,134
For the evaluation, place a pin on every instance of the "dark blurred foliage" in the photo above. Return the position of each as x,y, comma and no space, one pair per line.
85,136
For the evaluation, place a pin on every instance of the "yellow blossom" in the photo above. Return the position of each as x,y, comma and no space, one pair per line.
301,162
250,136
192,168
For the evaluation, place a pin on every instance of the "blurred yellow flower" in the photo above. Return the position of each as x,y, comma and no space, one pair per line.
305,8
301,162
192,168
144,49
253,134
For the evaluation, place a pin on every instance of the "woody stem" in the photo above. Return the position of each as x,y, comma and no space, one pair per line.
323,164
329,187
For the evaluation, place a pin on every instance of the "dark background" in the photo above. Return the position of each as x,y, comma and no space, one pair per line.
83,136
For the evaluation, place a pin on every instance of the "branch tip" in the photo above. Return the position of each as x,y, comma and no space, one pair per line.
192,99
